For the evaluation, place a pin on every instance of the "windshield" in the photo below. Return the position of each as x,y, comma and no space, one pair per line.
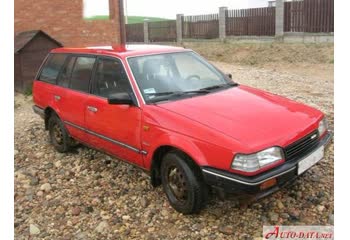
173,75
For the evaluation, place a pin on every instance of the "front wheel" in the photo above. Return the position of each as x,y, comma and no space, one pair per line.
182,183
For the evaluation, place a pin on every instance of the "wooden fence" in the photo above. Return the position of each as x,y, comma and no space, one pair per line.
163,31
134,32
251,22
313,16
201,26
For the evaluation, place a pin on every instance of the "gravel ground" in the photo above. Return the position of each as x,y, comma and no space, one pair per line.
88,195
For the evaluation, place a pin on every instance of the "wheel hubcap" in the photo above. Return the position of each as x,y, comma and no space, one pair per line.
177,183
57,133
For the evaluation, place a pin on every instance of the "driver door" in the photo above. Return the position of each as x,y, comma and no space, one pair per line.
114,129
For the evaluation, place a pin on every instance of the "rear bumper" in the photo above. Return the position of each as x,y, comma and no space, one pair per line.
234,183
39,111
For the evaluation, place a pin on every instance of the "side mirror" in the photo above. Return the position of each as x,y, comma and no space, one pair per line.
229,75
120,99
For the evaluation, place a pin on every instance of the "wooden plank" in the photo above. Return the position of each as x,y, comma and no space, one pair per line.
314,17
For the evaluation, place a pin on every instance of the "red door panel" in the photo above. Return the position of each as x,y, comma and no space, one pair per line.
71,105
114,128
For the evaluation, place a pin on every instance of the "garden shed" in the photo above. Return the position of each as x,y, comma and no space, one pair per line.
31,48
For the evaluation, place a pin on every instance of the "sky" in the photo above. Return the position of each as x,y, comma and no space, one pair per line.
169,8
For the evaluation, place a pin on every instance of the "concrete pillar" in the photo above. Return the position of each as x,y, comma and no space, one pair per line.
222,23
145,31
279,18
179,18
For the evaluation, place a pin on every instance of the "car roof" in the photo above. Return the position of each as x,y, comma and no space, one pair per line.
122,51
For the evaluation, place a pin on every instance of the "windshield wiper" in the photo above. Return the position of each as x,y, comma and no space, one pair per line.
177,93
164,96
218,86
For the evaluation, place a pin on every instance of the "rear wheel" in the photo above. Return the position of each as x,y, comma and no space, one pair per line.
182,183
59,136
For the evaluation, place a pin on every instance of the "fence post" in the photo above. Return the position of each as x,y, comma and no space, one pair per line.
145,31
222,23
279,25
179,18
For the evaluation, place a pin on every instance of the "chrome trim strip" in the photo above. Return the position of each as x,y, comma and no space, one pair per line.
107,138
247,183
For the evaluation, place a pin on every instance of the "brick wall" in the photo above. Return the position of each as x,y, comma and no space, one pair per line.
63,20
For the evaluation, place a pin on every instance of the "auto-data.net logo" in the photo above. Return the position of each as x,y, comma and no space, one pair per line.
298,232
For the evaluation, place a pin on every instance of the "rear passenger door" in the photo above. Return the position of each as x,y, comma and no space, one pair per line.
45,85
113,128
72,93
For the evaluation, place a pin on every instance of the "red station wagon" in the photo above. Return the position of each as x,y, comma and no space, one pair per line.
170,112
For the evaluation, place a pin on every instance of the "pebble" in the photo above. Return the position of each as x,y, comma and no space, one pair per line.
102,226
40,193
228,230
76,211
88,209
34,181
46,187
279,204
82,236
144,202
33,229
126,217
58,164
320,208
273,216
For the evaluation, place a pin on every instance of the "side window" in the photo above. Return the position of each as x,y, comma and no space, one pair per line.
81,74
52,67
110,78
66,73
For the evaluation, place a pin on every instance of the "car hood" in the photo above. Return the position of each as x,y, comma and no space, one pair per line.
255,118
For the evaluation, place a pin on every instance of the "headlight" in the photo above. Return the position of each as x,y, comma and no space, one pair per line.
322,127
253,162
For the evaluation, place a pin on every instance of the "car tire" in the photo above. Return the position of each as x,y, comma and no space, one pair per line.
59,136
183,184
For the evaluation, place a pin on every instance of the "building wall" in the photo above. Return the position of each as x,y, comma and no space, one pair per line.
63,20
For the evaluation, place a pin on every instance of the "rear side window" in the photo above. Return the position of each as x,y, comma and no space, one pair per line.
52,67
66,73
81,74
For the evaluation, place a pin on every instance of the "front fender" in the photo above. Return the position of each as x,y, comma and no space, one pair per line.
178,141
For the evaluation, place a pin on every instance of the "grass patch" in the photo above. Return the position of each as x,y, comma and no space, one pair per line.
141,19
28,92
98,17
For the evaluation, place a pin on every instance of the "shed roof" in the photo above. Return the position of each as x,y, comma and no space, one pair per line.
23,38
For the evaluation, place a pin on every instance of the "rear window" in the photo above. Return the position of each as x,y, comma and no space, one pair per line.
52,68
81,75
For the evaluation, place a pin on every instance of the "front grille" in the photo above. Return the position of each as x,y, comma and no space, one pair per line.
302,147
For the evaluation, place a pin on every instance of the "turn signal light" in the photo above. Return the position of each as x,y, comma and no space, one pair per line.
268,184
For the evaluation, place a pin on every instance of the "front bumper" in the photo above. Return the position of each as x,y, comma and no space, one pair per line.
234,183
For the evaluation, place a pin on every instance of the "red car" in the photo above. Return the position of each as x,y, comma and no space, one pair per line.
170,112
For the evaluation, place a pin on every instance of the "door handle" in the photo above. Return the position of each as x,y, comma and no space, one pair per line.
92,109
57,98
